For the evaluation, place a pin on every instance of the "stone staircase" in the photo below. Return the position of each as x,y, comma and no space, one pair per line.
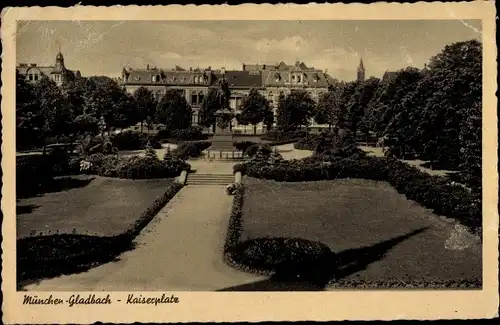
209,179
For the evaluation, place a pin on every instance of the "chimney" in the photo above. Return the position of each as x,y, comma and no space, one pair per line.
223,70
147,67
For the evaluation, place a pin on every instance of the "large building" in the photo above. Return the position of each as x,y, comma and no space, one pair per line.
270,79
58,72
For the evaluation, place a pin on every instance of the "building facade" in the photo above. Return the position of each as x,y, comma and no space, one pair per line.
58,72
270,80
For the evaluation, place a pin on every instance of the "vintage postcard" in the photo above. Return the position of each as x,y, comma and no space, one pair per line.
249,163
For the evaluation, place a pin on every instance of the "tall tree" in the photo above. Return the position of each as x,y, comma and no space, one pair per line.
174,111
386,104
209,106
357,107
255,109
28,116
54,110
298,108
145,104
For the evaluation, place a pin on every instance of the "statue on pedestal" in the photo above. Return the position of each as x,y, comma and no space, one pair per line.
224,115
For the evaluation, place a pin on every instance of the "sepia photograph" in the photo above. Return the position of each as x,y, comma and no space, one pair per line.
239,155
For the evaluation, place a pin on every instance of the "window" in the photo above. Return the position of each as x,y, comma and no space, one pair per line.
200,97
30,77
298,79
35,77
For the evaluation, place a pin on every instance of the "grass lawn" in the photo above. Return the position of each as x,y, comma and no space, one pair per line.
377,233
103,207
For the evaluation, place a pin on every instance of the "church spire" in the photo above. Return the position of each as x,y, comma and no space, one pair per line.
361,70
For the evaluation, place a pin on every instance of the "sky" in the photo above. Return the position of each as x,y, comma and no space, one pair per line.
105,47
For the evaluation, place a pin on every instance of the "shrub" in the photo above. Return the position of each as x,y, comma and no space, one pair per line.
264,150
132,140
192,149
243,145
32,173
137,167
283,137
192,133
287,258
234,228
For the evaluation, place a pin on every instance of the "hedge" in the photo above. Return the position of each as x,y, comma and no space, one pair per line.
132,140
190,149
234,228
190,134
433,192
283,137
153,210
135,167
70,253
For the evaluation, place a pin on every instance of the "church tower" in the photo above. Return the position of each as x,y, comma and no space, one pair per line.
59,72
361,71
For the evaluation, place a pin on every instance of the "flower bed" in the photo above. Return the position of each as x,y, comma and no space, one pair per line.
432,192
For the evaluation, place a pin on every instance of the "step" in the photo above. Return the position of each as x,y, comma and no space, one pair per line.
209,179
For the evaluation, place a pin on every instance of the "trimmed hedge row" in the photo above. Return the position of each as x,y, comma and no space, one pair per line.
70,253
234,227
433,192
153,210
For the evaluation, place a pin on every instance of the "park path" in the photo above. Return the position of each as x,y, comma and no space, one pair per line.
180,250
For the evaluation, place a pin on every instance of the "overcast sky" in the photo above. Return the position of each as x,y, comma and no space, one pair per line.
104,47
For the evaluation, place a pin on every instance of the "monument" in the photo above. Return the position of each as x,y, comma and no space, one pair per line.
222,141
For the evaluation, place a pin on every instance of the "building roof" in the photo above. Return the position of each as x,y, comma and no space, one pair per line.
314,78
25,69
243,79
252,76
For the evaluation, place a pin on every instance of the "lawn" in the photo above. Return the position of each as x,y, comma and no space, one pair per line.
377,233
101,206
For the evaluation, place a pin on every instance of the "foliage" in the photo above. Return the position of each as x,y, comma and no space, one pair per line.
209,106
282,137
255,109
295,110
86,124
287,258
174,111
190,149
145,105
191,133
132,140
